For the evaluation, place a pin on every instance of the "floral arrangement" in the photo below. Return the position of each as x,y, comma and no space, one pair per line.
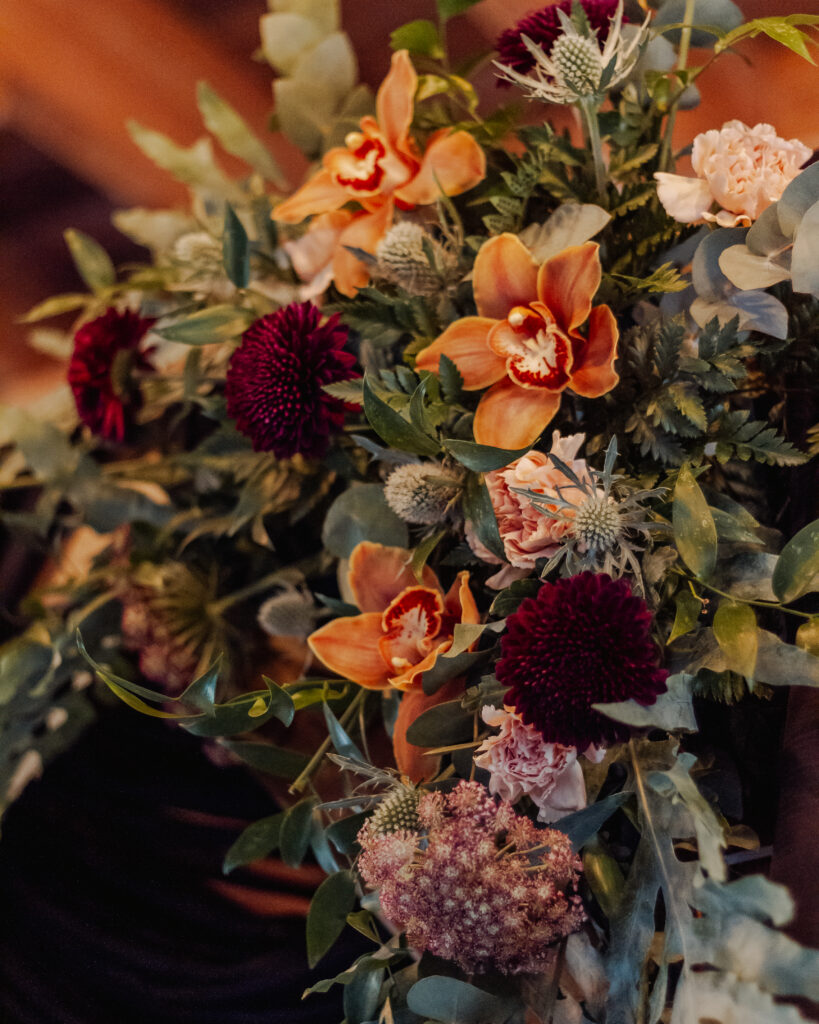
489,424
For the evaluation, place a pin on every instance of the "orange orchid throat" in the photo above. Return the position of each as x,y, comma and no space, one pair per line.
525,345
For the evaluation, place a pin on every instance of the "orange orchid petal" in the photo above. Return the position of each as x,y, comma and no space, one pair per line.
464,342
504,276
394,102
320,194
365,231
349,646
460,602
409,758
378,574
566,283
595,375
411,677
509,416
452,163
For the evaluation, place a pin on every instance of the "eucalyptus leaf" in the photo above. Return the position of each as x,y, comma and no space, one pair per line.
695,533
745,269
56,305
720,14
361,997
441,725
327,916
798,564
478,510
570,224
264,757
581,826
455,1002
92,261
445,669
765,237
805,256
341,741
208,326
342,833
420,36
737,634
672,710
362,513
235,136
256,842
797,199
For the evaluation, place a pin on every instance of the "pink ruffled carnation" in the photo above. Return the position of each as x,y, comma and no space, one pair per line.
520,763
477,884
742,169
528,534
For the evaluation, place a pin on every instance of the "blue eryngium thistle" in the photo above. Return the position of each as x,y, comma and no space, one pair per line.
578,68
610,525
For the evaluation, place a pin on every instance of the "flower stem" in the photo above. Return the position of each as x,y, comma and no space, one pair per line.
304,779
757,604
217,608
589,108
666,158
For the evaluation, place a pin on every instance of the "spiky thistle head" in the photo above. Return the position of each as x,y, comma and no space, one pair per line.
577,65
397,811
411,258
423,493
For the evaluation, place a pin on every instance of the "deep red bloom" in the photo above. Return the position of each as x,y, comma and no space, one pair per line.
580,641
543,27
106,350
275,377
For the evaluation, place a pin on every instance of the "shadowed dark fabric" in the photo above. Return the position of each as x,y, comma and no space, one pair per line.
106,913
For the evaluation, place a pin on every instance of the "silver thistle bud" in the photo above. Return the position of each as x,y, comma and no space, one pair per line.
422,493
396,812
288,613
403,256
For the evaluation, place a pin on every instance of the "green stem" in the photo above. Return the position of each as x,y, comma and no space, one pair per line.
218,608
757,604
589,108
666,158
312,765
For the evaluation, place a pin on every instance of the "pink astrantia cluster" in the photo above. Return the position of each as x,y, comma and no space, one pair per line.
528,534
520,763
741,169
476,883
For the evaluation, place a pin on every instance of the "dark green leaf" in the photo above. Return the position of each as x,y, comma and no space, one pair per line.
235,249
797,565
264,757
257,841
341,741
509,600
332,902
281,703
478,510
295,834
450,379
342,834
439,726
422,551
445,669
481,458
420,37
392,428
694,531
362,513
581,826
361,997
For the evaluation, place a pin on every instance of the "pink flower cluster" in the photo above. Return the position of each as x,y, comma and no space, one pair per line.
520,763
528,534
162,658
476,883
742,169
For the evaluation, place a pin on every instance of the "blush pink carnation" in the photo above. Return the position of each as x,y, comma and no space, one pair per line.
526,533
742,169
520,763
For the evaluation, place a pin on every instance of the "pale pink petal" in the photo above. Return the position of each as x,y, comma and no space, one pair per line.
685,199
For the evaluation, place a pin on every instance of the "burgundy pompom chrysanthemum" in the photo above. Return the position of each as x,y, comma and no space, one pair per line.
106,351
543,27
275,377
580,641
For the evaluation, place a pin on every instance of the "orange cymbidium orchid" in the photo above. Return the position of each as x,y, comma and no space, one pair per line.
403,627
380,166
525,345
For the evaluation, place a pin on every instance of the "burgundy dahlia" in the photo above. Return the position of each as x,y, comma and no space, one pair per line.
543,27
106,352
275,377
580,641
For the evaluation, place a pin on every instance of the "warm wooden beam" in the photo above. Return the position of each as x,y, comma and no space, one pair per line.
75,73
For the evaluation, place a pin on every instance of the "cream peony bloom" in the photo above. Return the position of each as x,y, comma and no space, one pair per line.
742,169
